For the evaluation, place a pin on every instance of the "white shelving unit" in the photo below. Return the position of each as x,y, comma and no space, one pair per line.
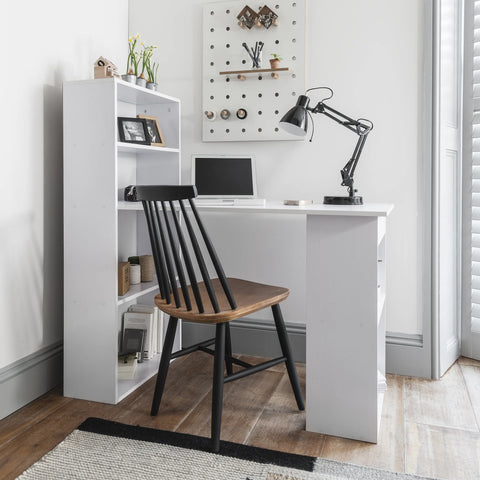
100,229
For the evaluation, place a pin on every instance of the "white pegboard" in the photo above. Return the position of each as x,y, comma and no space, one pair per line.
265,99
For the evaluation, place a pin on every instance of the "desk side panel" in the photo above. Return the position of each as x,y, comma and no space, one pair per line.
342,326
90,241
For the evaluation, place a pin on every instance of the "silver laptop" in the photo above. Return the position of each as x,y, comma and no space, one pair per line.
225,180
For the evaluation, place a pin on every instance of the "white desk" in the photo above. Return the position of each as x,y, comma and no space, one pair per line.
345,314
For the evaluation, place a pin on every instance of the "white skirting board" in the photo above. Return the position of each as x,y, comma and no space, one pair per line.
28,378
258,338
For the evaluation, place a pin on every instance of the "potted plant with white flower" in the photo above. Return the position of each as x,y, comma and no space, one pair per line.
132,60
144,58
152,69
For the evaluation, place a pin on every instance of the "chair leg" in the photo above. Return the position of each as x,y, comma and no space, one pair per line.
286,350
164,364
217,390
228,349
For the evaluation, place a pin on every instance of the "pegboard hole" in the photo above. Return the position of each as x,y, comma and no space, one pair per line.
212,47
259,129
277,42
227,79
227,11
244,62
294,58
228,62
294,22
212,13
212,130
212,64
259,95
212,80
243,130
227,130
294,4
260,77
276,129
227,45
243,95
276,112
294,76
277,6
293,94
227,97
212,30
211,97
277,94
259,112
294,40
227,29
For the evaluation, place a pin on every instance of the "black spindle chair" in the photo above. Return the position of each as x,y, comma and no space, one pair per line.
212,300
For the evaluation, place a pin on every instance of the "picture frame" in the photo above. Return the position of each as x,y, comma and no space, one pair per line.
133,130
153,129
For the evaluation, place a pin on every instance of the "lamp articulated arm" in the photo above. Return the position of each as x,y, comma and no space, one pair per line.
361,127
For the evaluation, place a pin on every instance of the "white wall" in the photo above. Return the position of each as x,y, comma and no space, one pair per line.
45,43
370,53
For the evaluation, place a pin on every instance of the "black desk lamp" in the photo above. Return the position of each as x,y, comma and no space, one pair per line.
295,121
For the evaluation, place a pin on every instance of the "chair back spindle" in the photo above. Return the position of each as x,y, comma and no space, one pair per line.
176,257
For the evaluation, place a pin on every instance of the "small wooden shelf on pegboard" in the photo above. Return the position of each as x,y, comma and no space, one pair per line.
241,74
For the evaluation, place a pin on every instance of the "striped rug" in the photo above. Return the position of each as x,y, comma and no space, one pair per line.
101,449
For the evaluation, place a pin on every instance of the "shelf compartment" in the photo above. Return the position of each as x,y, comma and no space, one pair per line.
145,370
131,93
137,291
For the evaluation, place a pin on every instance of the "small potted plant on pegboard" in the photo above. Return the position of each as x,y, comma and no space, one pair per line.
275,61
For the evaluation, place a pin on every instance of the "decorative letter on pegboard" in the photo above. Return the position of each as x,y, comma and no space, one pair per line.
244,94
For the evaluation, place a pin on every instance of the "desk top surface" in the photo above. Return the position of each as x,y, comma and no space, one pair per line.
367,210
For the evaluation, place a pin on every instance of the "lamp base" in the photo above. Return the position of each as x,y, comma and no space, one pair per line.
355,200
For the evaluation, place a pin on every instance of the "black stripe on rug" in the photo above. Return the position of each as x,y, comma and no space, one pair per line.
228,449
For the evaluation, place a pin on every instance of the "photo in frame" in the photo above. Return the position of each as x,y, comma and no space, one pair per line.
153,129
133,130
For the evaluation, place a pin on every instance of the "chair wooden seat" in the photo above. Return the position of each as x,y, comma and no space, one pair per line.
250,297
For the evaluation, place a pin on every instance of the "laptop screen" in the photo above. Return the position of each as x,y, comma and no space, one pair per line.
224,176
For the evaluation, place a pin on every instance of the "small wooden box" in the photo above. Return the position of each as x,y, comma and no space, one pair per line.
123,278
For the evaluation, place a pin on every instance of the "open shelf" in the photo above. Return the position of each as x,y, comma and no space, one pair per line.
145,370
133,148
137,291
131,93
123,205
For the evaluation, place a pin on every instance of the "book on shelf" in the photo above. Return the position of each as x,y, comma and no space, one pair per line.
157,327
127,366
142,321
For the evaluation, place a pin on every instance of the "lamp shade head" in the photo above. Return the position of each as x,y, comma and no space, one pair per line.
295,121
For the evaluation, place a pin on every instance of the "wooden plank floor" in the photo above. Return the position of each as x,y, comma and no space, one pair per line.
428,427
